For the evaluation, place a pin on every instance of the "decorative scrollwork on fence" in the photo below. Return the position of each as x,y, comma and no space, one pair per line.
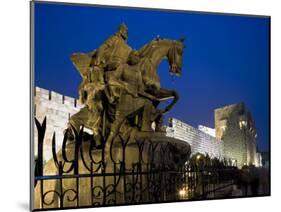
128,172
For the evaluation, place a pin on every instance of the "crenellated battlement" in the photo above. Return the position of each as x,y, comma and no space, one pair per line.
52,96
200,141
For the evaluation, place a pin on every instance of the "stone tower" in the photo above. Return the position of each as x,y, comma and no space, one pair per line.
234,125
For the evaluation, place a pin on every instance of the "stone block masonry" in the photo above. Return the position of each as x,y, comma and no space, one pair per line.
199,141
233,138
57,108
235,126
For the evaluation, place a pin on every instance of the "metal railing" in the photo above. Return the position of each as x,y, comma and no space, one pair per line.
79,175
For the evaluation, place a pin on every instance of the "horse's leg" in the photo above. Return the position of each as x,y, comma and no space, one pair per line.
162,94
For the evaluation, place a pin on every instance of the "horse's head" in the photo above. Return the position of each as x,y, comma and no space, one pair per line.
175,56
159,49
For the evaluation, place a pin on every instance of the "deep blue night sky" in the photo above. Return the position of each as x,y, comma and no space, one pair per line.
225,60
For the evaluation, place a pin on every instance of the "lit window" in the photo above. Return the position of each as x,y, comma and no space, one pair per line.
242,124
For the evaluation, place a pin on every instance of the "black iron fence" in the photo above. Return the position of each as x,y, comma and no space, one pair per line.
80,175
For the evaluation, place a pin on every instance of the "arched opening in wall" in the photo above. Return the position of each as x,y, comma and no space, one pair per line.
63,98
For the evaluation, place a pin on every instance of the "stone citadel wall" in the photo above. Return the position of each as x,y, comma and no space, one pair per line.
234,136
199,141
57,108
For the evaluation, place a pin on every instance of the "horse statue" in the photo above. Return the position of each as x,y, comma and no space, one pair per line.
121,102
150,56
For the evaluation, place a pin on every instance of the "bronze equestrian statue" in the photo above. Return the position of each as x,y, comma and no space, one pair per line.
120,93
121,88
113,52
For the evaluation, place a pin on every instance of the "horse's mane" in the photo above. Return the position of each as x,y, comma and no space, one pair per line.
145,50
